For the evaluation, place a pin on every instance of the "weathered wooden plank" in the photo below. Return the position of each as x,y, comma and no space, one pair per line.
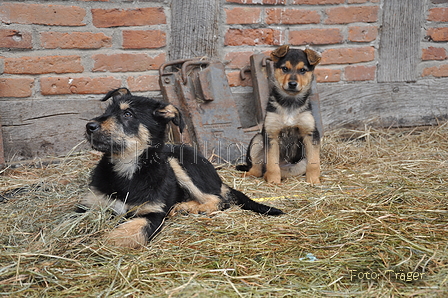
194,28
384,104
53,127
2,153
399,49
44,127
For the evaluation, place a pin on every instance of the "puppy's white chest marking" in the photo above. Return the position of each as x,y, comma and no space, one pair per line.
289,120
126,168
292,119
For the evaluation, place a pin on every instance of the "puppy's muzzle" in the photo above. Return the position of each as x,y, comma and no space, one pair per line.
92,126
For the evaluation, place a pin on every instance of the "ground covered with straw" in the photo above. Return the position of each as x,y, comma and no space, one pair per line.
377,226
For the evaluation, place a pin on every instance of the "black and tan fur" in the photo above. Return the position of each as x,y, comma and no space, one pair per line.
289,143
143,178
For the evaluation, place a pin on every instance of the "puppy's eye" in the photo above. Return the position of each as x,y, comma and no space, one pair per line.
127,114
303,70
285,69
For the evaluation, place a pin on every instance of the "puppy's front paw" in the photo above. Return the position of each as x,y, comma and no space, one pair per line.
313,180
254,171
313,173
130,234
273,177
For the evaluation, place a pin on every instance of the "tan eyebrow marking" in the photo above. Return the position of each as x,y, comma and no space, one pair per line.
124,105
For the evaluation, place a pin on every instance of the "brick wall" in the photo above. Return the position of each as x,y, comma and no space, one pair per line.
435,49
345,31
59,50
89,47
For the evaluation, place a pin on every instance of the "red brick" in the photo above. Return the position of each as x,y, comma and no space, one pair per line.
41,65
144,83
243,15
318,2
15,39
316,36
252,37
143,39
127,62
75,40
360,73
362,33
348,55
356,1
436,71
291,16
16,87
277,2
433,53
438,34
42,14
238,59
235,80
85,85
438,14
104,18
327,75
352,14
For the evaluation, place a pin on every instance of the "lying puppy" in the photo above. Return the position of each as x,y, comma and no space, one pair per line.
144,178
289,143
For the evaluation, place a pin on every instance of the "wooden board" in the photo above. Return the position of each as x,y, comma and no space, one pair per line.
399,49
53,127
383,104
44,127
2,154
195,29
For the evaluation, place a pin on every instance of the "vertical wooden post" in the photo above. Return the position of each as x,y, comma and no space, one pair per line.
399,51
195,28
2,152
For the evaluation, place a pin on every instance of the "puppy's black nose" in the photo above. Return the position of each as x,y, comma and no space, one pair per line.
92,126
292,85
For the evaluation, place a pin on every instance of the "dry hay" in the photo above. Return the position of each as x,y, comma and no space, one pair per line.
382,206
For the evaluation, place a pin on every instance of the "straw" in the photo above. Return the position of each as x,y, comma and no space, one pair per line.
381,211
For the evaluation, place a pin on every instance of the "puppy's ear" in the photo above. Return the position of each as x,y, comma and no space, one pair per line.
279,53
312,56
117,93
171,113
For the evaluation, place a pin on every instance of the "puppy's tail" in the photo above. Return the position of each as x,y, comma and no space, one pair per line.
247,203
243,168
255,150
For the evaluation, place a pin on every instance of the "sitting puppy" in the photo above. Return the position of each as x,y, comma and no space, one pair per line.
289,143
144,178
